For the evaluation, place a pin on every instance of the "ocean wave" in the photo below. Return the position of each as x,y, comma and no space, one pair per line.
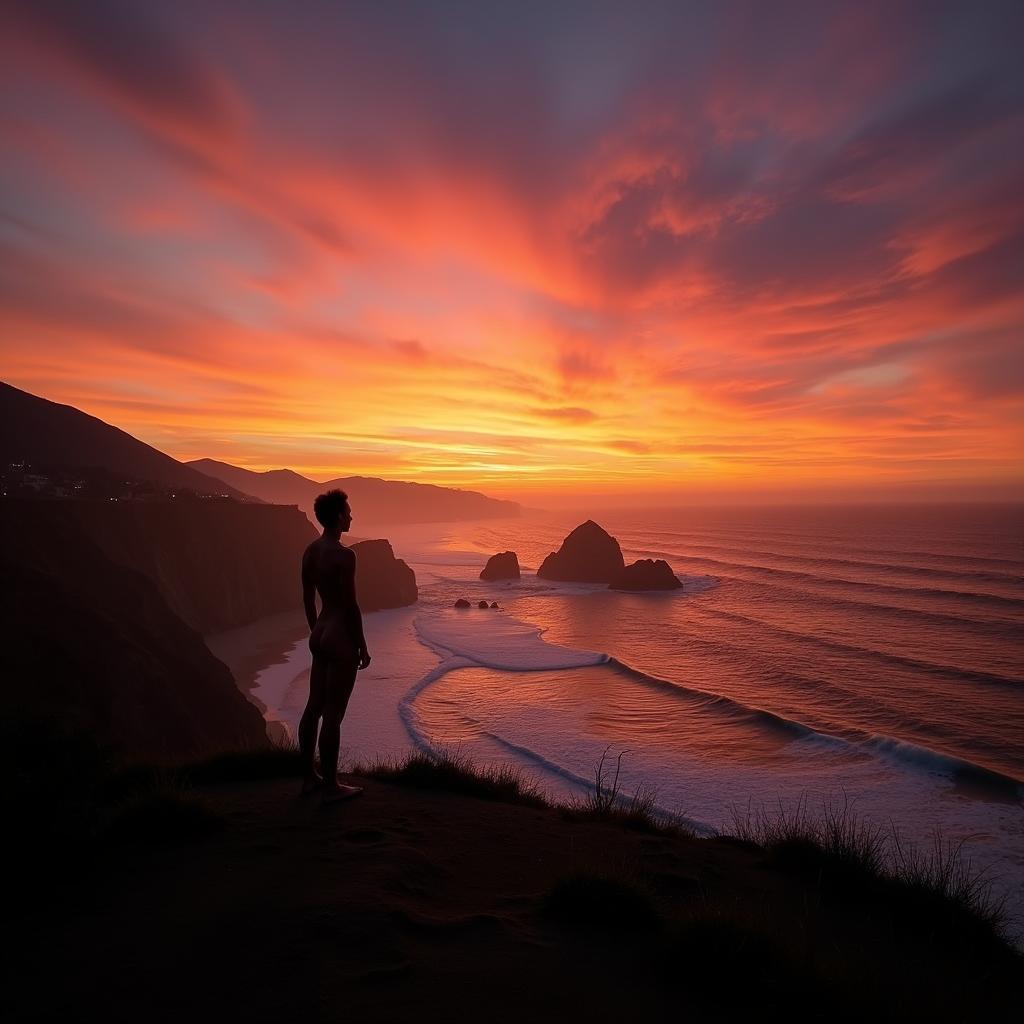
728,705
1013,604
915,756
798,542
1003,578
507,644
959,620
587,783
900,660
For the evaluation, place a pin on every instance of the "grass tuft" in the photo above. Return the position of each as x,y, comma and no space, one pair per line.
607,803
454,772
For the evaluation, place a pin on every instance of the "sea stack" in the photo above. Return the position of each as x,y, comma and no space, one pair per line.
382,581
588,555
646,574
503,566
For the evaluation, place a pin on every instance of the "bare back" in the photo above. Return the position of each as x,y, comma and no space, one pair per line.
330,568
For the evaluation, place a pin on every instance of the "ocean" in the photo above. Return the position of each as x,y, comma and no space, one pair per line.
872,656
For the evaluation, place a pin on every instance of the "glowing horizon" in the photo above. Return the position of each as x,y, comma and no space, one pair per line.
721,251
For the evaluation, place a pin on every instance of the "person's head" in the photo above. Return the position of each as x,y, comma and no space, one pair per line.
332,511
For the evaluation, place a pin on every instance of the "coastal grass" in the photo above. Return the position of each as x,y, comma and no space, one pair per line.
454,772
606,802
932,889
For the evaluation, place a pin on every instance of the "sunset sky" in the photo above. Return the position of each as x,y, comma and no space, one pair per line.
538,249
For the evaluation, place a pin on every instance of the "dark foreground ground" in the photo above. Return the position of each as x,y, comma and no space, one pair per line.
412,905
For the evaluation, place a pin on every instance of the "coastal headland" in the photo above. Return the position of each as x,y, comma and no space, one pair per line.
419,902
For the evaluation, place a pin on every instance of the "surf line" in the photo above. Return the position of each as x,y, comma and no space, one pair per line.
446,635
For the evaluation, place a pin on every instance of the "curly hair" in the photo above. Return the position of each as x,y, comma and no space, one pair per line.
329,506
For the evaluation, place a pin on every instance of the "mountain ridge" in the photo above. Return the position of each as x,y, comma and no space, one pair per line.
52,435
373,499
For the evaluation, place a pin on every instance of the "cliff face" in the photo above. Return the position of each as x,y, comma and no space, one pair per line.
218,564
94,643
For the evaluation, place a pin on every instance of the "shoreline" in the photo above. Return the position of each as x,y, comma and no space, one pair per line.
380,722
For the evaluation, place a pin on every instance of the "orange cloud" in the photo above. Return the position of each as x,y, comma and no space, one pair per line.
473,264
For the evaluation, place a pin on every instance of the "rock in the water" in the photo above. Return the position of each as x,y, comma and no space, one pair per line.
483,604
462,603
494,604
503,566
587,555
382,581
646,574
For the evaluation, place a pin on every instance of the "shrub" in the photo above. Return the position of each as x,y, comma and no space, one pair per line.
602,901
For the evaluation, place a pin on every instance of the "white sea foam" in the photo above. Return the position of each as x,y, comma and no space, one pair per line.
492,639
479,638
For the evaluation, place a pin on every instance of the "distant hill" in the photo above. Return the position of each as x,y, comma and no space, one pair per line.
373,500
51,436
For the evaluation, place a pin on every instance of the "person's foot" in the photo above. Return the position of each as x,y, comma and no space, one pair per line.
338,792
311,783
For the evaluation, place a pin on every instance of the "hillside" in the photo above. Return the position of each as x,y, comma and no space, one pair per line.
49,436
426,905
374,501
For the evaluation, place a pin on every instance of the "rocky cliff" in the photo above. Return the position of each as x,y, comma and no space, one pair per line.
588,555
89,641
382,581
218,564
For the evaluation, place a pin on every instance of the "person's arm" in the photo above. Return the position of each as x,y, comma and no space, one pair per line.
353,616
309,589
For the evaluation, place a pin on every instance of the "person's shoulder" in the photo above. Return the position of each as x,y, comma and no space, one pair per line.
347,555
311,549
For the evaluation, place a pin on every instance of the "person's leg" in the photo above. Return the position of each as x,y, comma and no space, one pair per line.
310,720
340,680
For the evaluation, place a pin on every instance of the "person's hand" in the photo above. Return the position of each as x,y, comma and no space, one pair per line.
364,657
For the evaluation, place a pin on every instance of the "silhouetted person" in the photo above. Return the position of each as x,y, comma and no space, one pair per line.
336,640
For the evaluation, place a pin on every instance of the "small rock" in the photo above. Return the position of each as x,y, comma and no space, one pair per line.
646,574
462,603
494,604
483,604
503,566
